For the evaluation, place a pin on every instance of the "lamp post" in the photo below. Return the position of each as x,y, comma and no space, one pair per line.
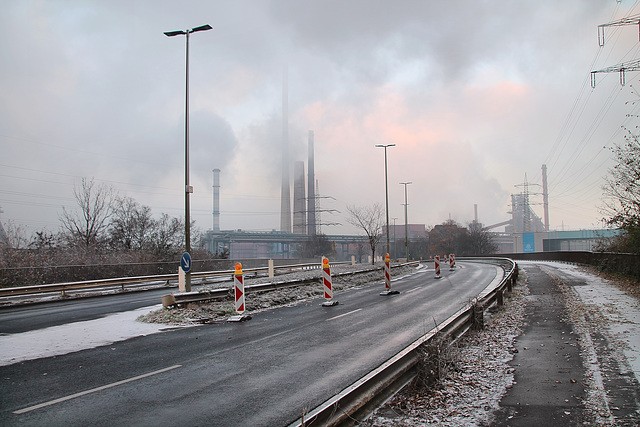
386,187
187,187
395,242
406,222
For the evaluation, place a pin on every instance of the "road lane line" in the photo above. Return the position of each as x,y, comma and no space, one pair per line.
411,290
93,390
342,315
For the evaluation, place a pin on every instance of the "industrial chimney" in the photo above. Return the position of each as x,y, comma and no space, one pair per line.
311,194
285,196
216,200
299,226
545,197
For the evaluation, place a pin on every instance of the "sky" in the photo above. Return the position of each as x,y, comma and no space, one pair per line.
475,95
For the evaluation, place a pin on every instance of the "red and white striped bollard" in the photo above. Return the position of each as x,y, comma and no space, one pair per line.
238,291
387,277
328,285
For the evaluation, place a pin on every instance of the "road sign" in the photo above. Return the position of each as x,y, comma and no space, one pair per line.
185,262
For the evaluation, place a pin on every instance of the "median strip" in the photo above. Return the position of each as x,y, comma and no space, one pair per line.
93,390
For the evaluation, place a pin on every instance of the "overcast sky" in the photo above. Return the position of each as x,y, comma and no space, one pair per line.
475,95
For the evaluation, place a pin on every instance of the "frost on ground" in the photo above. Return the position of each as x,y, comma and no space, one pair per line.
214,311
477,378
601,307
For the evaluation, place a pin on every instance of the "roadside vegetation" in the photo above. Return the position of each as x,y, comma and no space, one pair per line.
102,229
621,205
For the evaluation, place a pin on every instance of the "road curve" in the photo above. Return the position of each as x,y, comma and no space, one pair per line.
263,372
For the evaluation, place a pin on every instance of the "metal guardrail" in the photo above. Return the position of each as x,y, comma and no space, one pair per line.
360,398
125,281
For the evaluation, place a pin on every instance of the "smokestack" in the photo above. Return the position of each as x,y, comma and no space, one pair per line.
311,197
285,196
545,197
475,213
299,226
216,200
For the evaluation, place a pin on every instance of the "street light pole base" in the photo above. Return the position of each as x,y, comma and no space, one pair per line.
330,303
239,318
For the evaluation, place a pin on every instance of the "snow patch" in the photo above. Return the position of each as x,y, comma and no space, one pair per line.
63,339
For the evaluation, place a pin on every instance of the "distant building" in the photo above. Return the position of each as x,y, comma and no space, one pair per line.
552,241
277,245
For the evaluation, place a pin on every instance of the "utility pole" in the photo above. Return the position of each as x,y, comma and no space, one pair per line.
406,221
386,187
633,65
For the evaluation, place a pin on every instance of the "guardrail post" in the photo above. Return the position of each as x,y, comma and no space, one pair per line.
477,315
182,281
271,269
500,297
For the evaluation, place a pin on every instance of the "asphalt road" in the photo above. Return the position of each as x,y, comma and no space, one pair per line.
263,372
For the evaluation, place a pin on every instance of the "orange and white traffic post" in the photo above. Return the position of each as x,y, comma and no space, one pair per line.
387,278
238,291
436,260
328,285
452,262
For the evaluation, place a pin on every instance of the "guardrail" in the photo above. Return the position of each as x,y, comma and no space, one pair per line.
126,281
366,394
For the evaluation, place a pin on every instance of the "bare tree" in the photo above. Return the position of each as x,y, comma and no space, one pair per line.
622,193
16,235
369,219
87,226
167,236
131,226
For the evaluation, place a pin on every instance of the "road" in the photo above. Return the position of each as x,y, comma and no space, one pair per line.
263,372
18,319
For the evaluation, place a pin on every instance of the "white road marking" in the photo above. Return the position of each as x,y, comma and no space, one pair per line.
342,315
93,390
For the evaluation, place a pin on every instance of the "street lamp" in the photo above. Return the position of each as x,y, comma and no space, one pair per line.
187,187
406,221
395,242
386,187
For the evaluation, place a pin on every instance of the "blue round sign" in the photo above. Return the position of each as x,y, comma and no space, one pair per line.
185,262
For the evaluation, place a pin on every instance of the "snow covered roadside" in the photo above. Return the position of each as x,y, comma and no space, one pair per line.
607,320
77,336
617,313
